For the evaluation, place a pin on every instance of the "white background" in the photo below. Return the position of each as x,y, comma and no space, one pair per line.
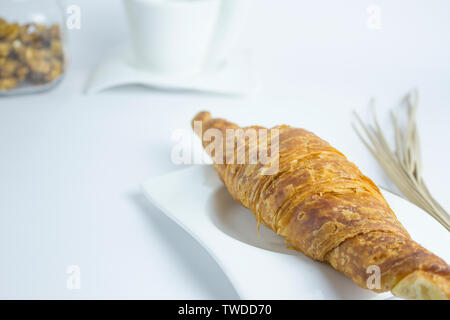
71,164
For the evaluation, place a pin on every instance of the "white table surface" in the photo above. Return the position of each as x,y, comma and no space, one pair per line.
71,164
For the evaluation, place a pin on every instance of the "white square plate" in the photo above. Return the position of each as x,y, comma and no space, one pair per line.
258,264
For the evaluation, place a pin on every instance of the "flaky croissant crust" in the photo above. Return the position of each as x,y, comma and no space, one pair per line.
327,209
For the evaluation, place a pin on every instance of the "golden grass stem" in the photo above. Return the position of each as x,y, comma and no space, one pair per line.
403,165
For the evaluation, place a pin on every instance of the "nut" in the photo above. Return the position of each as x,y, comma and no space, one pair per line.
22,72
5,48
9,31
8,68
7,84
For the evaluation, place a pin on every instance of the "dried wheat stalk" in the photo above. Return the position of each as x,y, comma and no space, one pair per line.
403,165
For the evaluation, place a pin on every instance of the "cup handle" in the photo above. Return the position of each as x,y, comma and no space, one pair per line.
231,18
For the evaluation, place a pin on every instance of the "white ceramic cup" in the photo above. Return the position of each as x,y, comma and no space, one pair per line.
184,37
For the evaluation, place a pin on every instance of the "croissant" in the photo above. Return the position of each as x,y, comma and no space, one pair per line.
325,208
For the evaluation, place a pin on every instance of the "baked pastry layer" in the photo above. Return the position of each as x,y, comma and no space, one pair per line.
324,207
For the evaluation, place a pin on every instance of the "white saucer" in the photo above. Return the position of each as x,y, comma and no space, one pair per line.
236,77
258,265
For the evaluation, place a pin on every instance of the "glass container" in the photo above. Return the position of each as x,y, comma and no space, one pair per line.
32,45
